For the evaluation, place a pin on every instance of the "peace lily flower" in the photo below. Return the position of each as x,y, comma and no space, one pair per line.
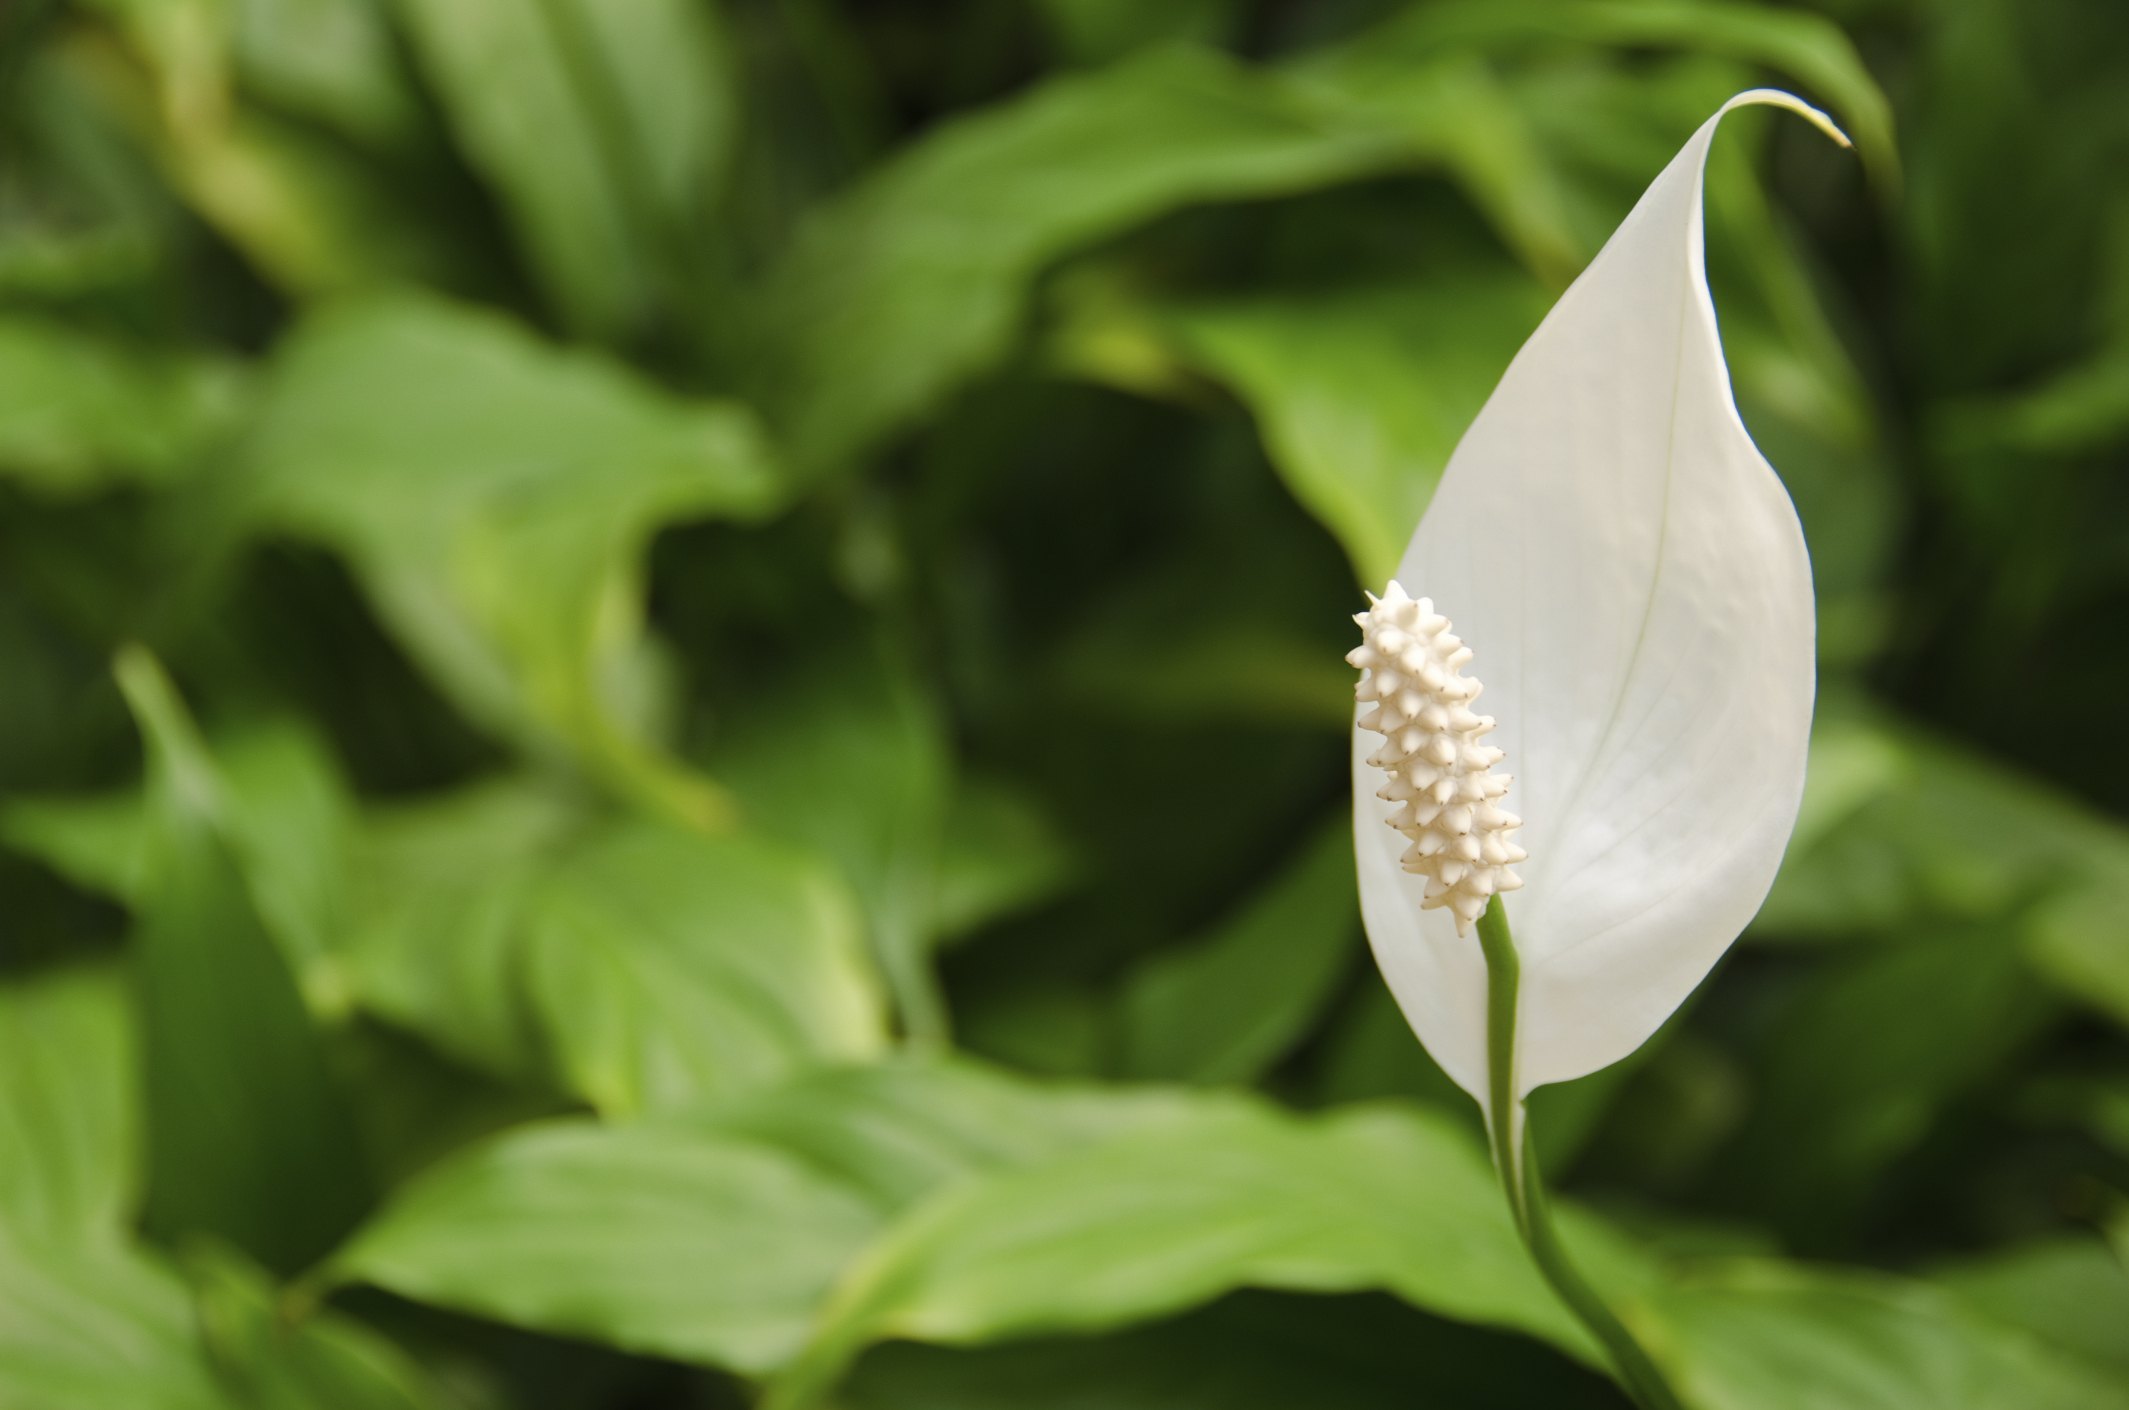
1628,579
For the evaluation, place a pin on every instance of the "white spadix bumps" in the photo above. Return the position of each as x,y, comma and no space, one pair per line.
1442,782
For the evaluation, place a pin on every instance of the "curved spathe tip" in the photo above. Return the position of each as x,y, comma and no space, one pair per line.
1776,98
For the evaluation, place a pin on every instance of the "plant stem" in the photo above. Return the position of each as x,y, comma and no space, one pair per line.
1517,1162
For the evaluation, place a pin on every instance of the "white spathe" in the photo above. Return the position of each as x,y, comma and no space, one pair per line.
1632,576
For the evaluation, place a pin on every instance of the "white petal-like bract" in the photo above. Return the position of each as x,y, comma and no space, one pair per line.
1633,577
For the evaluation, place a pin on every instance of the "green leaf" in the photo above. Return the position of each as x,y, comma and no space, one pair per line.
81,413
291,818
712,1235
494,495
241,1109
651,1238
1934,832
1362,385
272,1360
1268,660
1812,49
1862,1064
600,127
288,813
2074,937
1853,762
1369,1053
898,1131
310,214
1224,1009
416,1105
1252,1351
2071,1292
334,60
1160,1220
898,291
1770,1338
1361,393
81,1330
998,854
667,967
443,888
1097,31
637,964
69,1163
2079,410
98,842
851,761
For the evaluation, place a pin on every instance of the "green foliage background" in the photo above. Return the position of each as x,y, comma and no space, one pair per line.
672,729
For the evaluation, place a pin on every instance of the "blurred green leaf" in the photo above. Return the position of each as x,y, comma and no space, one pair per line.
653,1238
269,1359
80,413
291,817
1225,1008
899,1131
69,1131
901,289
998,854
1100,1206
288,814
1465,112
82,1330
2080,409
443,888
851,760
1361,393
1863,1062
1773,1337
309,213
1099,31
601,127
2075,937
1853,762
2071,1292
1266,660
1369,1053
416,1104
240,1105
2001,81
1252,1351
636,964
1934,833
335,60
1160,1220
92,215
667,967
1808,47
98,842
1363,383
494,495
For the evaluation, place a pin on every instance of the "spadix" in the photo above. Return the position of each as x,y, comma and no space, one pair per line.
1444,792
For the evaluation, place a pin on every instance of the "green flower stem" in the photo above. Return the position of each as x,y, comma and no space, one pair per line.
1518,1166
